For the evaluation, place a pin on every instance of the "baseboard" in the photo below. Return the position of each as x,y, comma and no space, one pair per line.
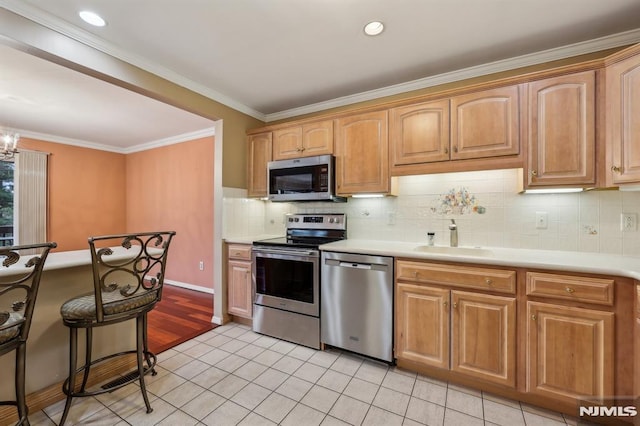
217,320
189,286
43,398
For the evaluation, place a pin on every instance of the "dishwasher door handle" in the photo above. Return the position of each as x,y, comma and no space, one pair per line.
355,265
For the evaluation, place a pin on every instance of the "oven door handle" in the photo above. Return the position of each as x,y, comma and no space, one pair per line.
287,252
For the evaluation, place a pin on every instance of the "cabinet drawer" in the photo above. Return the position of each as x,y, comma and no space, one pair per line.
570,287
240,251
458,276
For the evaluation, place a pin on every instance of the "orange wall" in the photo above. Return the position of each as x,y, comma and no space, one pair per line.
171,188
86,193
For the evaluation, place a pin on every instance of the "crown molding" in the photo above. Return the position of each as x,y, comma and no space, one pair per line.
101,147
564,52
185,137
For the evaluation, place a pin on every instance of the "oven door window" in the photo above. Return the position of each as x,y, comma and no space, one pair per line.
285,278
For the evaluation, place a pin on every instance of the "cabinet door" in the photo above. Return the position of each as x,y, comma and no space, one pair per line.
623,120
484,337
422,324
362,154
259,155
569,352
317,138
562,130
485,124
239,288
287,143
419,133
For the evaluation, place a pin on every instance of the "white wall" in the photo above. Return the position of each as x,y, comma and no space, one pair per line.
588,221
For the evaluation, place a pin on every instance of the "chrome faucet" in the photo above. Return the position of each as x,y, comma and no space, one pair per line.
454,233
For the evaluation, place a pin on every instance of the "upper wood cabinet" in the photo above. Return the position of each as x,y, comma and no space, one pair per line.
303,141
419,133
561,131
259,154
623,120
362,154
485,124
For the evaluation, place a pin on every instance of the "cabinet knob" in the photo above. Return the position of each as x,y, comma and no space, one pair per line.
455,305
446,150
616,169
445,303
533,317
455,148
416,274
569,290
488,281
534,173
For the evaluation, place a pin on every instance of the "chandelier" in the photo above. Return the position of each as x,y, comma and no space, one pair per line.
9,145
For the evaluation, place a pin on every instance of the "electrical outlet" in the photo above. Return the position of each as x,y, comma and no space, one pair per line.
201,265
628,222
542,219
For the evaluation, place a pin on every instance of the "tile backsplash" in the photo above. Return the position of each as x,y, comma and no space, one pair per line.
485,204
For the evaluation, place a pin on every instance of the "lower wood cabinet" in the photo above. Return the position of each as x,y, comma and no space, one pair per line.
484,336
239,285
569,352
468,332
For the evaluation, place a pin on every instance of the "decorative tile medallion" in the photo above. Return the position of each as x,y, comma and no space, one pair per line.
457,201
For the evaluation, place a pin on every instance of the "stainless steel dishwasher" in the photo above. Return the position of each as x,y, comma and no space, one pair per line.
356,308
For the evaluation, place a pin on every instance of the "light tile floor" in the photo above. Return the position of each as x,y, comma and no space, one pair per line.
231,375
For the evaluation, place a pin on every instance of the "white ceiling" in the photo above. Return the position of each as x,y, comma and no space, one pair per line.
278,58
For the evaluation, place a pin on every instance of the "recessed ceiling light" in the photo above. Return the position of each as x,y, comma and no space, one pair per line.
92,18
373,28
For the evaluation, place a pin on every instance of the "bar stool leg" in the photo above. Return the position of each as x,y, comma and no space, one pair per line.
87,358
19,382
146,347
73,355
139,349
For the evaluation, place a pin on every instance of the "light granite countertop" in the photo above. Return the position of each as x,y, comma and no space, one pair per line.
593,263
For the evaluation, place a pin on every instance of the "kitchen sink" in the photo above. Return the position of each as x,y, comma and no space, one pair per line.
459,251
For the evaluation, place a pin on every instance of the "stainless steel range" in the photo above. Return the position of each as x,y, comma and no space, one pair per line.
286,278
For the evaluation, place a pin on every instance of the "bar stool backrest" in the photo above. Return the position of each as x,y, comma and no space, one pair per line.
128,272
20,273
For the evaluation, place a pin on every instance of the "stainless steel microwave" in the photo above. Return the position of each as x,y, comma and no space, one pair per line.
303,179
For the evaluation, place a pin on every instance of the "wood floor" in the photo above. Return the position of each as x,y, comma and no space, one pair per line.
181,315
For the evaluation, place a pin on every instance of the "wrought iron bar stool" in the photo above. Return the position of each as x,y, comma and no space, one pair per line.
18,293
128,275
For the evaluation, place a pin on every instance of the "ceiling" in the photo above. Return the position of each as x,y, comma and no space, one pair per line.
280,58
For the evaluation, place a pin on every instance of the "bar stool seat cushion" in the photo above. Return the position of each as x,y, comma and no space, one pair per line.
83,308
11,327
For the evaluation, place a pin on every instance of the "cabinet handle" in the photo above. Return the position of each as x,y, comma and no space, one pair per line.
488,281
569,290
616,169
533,317
534,173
